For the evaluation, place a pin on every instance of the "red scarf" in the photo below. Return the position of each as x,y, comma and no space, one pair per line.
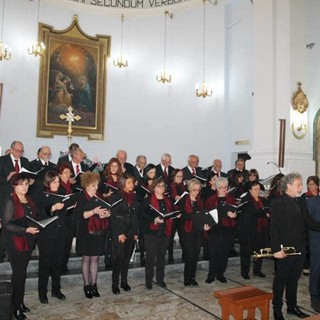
262,222
168,223
188,209
67,186
21,242
213,202
96,224
129,196
112,182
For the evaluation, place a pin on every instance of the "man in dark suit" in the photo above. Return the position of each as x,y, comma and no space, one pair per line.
192,170
77,166
215,169
126,166
9,165
164,169
44,164
138,170
67,158
239,167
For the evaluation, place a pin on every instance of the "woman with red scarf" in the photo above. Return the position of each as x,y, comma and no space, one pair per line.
92,226
51,240
19,241
156,231
65,188
192,238
253,232
124,230
221,236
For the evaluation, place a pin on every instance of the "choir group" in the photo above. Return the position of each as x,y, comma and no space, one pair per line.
112,209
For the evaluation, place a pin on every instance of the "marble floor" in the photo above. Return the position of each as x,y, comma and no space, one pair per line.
174,303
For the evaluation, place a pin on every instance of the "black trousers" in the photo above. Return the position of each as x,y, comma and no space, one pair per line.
108,249
192,246
19,262
156,247
219,246
51,251
121,258
246,251
71,227
286,277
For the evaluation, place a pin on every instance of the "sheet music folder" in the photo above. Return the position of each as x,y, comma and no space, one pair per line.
27,221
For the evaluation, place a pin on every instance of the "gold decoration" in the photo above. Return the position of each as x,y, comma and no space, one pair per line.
69,117
299,100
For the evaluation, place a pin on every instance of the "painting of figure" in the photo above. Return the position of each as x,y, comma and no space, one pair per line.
72,82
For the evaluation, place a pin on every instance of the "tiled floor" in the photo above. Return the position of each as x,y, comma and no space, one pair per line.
175,303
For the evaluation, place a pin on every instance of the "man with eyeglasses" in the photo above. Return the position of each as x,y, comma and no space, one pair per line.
9,165
44,164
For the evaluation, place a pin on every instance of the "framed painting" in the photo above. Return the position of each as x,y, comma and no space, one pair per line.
72,73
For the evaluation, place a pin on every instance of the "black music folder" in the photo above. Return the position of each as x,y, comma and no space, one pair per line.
27,221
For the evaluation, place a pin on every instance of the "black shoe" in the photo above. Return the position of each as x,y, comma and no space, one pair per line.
23,308
162,284
187,283
259,274
95,292
245,276
19,315
222,279
210,280
88,291
277,315
65,271
171,261
58,294
149,286
125,286
194,283
297,312
233,253
43,299
115,290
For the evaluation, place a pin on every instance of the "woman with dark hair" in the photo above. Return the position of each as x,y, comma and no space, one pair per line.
176,188
192,238
110,177
108,185
157,231
253,229
253,175
221,236
274,191
124,230
19,240
92,226
51,241
65,188
236,183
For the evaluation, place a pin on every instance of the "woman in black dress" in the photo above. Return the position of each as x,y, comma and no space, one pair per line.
253,229
19,240
92,226
51,241
124,230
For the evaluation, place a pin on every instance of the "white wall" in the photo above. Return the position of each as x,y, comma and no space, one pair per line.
142,115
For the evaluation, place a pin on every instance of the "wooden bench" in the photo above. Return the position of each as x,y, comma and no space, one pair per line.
236,300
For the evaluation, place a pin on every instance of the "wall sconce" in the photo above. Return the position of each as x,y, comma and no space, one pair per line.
37,48
299,115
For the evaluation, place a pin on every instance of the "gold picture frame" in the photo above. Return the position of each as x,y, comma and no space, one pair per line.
73,72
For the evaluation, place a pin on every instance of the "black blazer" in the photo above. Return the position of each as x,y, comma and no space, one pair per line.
6,166
187,175
63,159
129,168
210,173
137,175
84,168
159,172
